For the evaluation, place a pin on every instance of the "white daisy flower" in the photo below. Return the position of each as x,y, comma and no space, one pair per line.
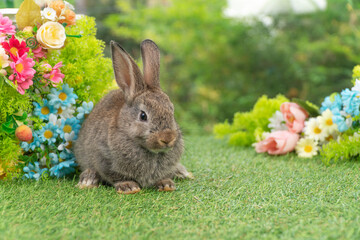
65,113
306,148
326,123
356,87
54,120
49,14
67,145
277,122
314,131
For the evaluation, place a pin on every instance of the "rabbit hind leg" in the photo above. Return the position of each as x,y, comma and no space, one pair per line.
182,173
127,187
88,179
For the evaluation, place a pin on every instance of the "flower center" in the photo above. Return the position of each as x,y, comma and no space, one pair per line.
19,67
330,137
67,128
48,134
45,110
61,160
317,130
291,119
14,51
329,122
62,96
308,148
49,13
69,146
51,76
60,110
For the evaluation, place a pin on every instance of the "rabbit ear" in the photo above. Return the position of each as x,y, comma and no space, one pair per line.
151,62
127,73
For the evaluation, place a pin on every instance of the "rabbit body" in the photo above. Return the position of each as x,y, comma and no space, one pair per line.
131,137
105,145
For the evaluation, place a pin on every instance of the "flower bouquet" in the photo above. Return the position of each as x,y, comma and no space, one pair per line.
332,130
48,87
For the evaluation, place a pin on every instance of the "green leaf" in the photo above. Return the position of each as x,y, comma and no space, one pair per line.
312,109
7,129
21,118
10,83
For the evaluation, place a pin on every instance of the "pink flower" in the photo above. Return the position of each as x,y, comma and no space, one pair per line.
6,27
55,74
294,116
23,73
39,52
278,143
15,48
22,83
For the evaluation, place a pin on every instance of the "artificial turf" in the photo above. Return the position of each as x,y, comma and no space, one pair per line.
236,194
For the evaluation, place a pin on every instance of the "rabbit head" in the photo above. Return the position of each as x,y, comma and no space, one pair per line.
147,116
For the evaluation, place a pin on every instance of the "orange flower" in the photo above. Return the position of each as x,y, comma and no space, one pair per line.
58,6
70,17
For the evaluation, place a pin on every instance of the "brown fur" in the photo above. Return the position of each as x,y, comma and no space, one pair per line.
116,146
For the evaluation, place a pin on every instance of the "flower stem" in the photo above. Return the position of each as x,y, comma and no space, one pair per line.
76,36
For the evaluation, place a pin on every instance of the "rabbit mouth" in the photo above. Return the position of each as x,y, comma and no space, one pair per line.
160,150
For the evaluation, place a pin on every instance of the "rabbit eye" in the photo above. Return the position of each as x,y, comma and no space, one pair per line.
143,116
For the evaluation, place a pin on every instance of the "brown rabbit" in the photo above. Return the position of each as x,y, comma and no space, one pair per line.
131,138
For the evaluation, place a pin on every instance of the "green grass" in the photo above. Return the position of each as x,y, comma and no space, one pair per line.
236,194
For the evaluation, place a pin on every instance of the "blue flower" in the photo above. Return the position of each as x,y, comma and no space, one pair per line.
62,98
48,133
35,142
63,165
342,120
33,171
84,110
331,102
68,125
43,111
54,159
67,156
351,102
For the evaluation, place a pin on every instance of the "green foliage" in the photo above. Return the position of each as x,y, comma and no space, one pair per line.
85,67
11,102
247,126
213,66
346,148
9,152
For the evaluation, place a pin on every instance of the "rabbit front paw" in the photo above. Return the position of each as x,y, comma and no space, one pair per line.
88,179
127,187
166,185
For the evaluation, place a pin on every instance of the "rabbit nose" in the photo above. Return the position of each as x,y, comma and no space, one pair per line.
167,139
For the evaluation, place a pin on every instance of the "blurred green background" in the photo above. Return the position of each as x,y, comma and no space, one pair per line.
213,65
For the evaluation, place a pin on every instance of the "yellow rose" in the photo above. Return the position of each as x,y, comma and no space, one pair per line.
51,35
